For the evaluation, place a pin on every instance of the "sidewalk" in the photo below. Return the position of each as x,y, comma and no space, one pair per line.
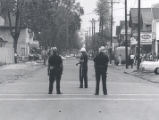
149,76
12,72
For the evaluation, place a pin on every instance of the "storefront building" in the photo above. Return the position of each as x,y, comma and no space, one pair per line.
146,30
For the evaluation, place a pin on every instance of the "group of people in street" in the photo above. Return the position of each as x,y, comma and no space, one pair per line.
55,69
143,57
149,57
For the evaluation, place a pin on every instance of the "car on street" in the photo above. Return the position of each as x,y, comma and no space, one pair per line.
152,66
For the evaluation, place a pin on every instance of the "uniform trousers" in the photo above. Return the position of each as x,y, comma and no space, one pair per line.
83,77
54,76
99,74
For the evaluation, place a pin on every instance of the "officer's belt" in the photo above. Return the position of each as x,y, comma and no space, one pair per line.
100,66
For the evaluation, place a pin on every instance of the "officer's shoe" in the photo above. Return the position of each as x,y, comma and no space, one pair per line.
96,94
59,93
49,92
105,93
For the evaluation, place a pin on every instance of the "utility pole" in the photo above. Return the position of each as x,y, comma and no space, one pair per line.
111,42
111,32
101,30
93,28
94,24
139,22
126,35
93,33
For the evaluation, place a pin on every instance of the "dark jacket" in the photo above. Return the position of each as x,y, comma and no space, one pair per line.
84,60
101,61
55,64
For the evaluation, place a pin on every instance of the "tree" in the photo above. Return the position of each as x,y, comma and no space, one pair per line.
103,12
54,22
12,11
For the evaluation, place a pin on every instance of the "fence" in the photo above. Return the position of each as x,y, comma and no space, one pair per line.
6,55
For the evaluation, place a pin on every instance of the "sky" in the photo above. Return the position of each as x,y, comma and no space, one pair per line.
118,14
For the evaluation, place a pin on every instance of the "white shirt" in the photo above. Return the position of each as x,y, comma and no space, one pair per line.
132,57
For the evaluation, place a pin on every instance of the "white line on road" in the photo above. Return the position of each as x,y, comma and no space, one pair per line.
77,99
30,94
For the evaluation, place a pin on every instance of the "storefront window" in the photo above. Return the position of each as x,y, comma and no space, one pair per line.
146,48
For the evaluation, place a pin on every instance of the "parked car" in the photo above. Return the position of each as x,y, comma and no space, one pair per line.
152,66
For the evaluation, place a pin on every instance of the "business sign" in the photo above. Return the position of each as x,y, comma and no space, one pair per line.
146,38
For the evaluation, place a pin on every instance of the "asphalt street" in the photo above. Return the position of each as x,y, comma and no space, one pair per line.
129,97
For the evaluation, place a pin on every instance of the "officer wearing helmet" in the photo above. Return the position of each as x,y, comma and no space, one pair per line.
55,69
101,63
83,68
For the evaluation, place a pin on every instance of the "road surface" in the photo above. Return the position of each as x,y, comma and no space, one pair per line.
129,98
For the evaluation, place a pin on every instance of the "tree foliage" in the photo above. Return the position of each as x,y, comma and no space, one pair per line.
11,11
54,22
103,11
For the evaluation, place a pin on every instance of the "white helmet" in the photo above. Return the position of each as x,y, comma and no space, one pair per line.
54,49
102,49
83,50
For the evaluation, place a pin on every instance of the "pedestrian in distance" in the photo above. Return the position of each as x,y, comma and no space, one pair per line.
55,70
101,64
83,69
44,56
119,59
15,57
132,57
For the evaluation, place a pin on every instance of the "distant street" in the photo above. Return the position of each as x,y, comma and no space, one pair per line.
129,98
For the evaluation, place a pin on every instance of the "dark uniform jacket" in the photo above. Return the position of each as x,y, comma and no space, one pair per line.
101,61
55,64
84,61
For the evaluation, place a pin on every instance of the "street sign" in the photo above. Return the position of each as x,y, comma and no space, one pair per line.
146,38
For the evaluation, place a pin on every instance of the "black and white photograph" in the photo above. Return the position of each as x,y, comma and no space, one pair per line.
79,59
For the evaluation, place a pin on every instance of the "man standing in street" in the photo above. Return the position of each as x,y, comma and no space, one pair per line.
44,56
132,57
101,64
55,69
83,68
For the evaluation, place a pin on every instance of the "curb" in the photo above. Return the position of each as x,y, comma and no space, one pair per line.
143,78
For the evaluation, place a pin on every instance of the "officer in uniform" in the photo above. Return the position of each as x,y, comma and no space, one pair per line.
55,69
101,63
83,68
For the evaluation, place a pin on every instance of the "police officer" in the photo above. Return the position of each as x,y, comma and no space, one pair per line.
55,69
101,63
83,68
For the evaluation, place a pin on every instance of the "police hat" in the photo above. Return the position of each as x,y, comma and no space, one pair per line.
102,49
83,50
